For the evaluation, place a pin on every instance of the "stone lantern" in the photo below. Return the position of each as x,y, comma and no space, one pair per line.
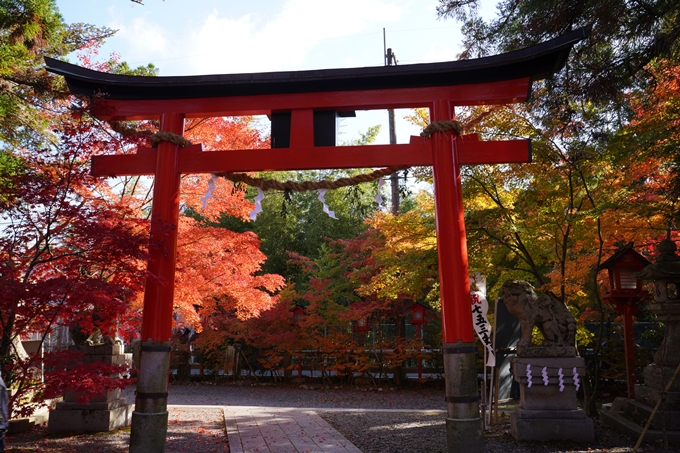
630,415
625,293
665,274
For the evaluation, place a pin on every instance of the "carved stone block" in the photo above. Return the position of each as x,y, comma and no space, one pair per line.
548,408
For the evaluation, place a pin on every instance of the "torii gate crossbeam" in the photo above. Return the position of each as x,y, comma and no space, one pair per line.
499,79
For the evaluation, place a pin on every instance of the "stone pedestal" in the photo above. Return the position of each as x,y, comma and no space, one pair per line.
549,410
631,415
105,412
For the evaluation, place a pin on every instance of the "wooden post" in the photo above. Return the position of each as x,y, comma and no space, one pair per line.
629,349
420,360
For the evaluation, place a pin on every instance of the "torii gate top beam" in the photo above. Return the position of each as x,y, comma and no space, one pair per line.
497,79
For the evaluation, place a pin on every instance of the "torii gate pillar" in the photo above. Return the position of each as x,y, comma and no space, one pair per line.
464,428
151,408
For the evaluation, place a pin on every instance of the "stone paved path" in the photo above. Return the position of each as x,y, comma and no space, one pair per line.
282,430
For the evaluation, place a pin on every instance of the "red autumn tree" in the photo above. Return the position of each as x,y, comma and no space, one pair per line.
218,270
325,337
649,145
71,253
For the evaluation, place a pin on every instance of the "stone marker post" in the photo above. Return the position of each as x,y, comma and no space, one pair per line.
105,412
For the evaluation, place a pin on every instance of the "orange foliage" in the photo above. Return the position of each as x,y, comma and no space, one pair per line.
217,269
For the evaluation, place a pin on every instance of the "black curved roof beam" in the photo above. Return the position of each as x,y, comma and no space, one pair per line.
536,62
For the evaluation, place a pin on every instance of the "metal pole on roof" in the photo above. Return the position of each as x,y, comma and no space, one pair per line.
391,59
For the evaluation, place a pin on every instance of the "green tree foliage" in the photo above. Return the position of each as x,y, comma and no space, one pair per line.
588,101
582,192
366,138
403,255
551,221
625,38
123,68
325,334
295,221
29,31
10,167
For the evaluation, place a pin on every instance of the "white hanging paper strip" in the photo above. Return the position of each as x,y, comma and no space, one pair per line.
480,308
544,373
561,376
322,199
209,191
577,383
529,376
378,197
258,204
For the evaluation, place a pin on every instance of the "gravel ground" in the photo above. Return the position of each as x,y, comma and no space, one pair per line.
201,429
386,432
305,396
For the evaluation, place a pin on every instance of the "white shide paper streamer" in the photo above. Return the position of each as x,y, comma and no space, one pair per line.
560,374
378,197
258,204
529,376
577,383
322,199
209,191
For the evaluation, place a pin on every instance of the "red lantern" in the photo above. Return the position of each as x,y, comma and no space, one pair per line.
417,314
298,314
418,319
362,325
622,267
625,292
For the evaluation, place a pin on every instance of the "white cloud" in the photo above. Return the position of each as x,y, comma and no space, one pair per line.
439,53
305,23
219,43
224,45
217,37
143,38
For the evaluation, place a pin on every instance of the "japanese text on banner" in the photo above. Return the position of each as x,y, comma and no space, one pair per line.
480,308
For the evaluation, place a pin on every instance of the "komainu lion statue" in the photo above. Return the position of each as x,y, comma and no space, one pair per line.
546,312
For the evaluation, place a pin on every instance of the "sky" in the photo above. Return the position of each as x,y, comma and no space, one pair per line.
183,37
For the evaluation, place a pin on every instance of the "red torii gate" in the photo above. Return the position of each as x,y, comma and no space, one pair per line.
501,79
